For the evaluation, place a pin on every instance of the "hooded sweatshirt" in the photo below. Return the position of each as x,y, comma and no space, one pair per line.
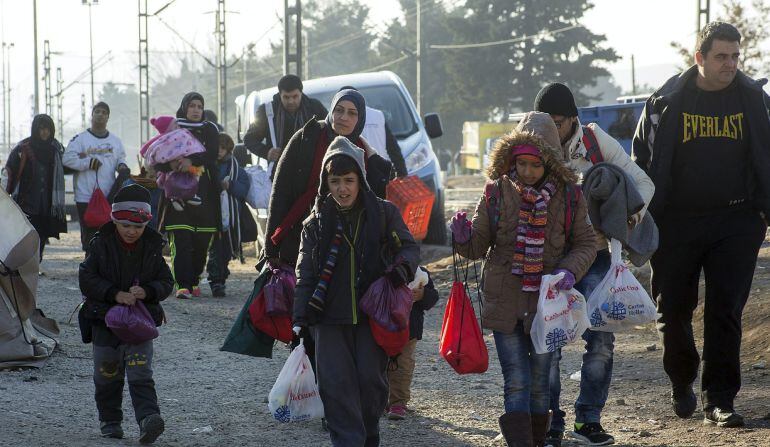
364,252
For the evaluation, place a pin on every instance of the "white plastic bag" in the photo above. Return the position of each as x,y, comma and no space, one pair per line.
619,302
561,316
294,397
224,202
261,186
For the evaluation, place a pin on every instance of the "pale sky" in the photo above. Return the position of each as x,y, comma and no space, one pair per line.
643,28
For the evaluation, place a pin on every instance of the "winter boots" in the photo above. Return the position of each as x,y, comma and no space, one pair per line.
517,429
524,430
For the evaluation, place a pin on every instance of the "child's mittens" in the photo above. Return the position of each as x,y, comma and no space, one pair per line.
566,283
461,227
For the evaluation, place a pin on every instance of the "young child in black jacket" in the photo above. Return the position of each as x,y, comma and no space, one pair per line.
124,264
425,296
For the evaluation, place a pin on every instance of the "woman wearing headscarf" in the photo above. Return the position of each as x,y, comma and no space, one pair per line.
191,229
36,179
297,174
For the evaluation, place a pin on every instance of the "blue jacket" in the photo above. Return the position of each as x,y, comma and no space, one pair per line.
239,188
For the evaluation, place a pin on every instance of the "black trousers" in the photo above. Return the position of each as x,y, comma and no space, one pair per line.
188,256
220,255
725,246
86,234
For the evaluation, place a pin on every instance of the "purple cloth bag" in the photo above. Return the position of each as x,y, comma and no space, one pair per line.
279,292
387,305
179,185
131,324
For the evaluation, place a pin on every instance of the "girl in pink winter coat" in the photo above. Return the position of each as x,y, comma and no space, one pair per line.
164,151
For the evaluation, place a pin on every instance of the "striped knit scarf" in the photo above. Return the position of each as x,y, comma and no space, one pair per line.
530,232
319,295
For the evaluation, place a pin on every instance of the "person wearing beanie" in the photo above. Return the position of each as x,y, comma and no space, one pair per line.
290,109
523,237
191,228
345,235
582,147
124,267
98,158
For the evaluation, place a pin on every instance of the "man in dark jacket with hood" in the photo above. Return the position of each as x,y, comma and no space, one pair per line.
704,140
291,110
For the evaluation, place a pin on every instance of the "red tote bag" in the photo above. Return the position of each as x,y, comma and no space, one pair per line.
462,343
98,212
278,328
392,342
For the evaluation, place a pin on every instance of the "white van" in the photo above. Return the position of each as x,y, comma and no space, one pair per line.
384,91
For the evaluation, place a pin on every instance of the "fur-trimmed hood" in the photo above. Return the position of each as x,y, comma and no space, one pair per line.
538,130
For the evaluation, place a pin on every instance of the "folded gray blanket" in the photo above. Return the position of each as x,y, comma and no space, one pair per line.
612,199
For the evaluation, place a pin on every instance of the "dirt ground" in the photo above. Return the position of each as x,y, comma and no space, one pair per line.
213,398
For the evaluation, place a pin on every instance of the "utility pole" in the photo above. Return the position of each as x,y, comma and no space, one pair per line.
5,117
34,30
292,54
47,76
633,76
83,110
8,95
704,13
419,57
91,44
222,64
59,100
144,75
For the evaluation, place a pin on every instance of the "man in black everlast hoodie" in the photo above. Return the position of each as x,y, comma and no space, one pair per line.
704,140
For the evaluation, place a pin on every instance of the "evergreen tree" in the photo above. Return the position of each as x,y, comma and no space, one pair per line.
505,78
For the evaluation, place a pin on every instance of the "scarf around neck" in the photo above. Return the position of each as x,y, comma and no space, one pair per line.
530,232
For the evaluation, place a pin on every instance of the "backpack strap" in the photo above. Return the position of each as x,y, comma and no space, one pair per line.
593,152
492,201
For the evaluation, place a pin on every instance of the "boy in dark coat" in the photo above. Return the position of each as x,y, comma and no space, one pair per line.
227,243
349,241
425,296
124,264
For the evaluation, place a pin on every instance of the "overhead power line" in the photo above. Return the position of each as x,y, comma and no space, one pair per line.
506,41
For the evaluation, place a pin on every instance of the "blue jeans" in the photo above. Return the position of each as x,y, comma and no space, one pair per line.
596,371
525,373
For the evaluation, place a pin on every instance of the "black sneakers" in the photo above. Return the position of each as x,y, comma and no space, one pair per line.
150,428
722,417
592,433
553,438
111,429
683,400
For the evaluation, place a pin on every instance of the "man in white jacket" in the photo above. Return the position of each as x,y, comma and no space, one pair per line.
96,155
583,146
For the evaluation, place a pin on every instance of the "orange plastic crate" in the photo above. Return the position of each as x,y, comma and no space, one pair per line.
414,200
